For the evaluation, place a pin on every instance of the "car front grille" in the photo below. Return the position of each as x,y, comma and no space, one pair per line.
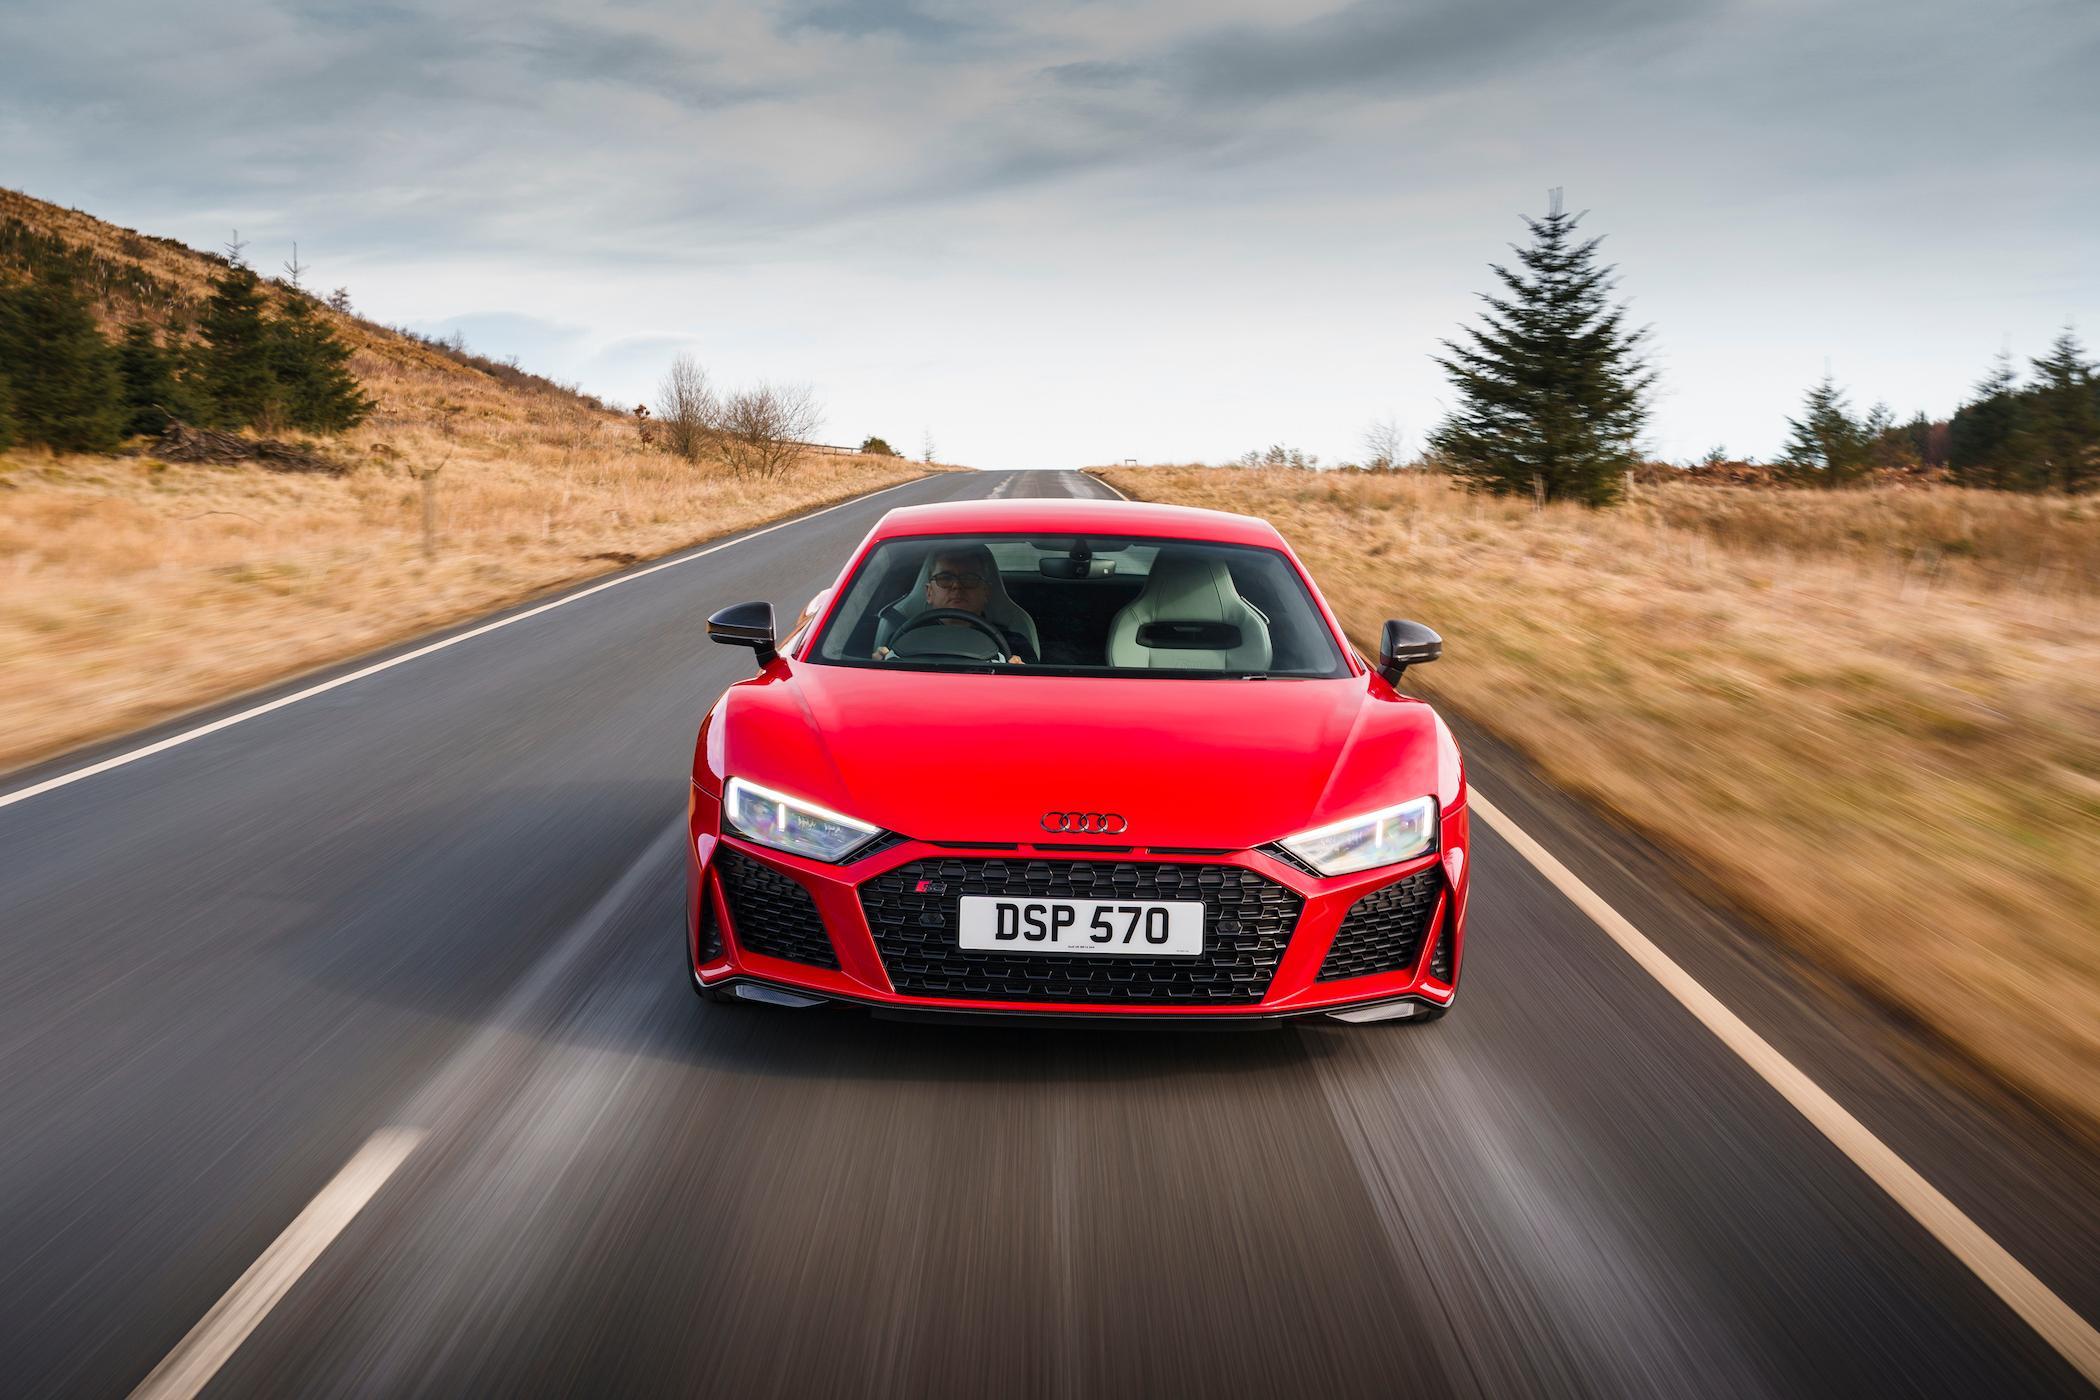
914,913
772,914
1382,932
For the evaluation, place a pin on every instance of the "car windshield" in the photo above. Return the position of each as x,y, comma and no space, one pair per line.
1098,605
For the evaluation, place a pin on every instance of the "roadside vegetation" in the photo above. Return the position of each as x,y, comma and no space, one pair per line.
189,508
1872,718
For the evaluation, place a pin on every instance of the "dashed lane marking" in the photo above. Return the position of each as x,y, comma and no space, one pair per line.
220,1332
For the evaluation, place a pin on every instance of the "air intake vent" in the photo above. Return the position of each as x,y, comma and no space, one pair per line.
710,927
770,913
1440,956
1382,932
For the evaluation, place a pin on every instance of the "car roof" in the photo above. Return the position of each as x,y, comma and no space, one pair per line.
1056,516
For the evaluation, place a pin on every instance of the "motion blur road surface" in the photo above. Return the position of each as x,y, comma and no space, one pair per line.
447,897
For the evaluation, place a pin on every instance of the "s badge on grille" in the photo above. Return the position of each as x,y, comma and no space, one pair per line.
1086,823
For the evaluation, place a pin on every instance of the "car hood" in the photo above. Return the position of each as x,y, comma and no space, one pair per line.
982,758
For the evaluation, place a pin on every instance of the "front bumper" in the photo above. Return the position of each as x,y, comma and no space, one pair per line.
827,949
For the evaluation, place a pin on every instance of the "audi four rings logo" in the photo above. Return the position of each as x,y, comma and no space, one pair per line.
1087,823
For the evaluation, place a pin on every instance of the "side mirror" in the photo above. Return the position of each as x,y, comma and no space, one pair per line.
1405,644
745,625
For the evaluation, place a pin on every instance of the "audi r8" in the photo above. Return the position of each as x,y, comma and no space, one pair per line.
1058,758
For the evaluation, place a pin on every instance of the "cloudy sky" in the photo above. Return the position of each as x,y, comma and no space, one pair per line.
1057,233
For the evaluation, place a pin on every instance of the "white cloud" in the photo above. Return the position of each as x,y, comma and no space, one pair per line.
1058,233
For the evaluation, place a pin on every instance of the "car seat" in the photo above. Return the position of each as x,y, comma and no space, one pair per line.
1193,593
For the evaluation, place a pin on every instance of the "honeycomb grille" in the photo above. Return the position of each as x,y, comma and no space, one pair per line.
1382,932
772,914
914,913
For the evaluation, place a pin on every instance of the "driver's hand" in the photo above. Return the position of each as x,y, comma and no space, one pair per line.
882,653
1015,661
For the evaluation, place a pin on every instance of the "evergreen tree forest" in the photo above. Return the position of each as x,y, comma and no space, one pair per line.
250,360
2043,435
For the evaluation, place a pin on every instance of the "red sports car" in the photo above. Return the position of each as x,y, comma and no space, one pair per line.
1056,758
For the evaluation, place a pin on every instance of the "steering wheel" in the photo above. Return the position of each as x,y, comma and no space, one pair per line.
934,617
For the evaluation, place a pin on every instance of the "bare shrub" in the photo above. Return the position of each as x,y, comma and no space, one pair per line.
762,429
687,410
1382,444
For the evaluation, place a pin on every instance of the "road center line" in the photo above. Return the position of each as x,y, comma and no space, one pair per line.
200,1354
174,740
2071,1335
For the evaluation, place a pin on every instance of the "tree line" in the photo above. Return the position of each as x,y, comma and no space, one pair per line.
241,363
1554,388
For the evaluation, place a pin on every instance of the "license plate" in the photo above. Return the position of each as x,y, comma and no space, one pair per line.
1146,928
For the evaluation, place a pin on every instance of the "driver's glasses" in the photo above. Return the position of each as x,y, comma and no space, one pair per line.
966,582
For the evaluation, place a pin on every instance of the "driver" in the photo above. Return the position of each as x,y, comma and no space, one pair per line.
961,579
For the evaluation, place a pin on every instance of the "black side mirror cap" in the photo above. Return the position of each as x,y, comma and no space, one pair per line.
745,625
1405,644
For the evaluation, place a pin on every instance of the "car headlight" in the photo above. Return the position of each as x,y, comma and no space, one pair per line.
1384,837
790,824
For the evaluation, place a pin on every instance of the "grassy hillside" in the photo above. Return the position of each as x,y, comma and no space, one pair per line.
1871,717
132,589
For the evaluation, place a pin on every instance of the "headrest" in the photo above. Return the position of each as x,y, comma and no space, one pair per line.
1190,588
1190,616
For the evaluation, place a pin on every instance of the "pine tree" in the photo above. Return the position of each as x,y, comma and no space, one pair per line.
1980,439
1829,446
59,369
7,415
1554,389
233,363
147,373
309,366
2064,418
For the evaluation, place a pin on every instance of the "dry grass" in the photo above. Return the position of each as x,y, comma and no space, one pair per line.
1888,748
1943,534
132,590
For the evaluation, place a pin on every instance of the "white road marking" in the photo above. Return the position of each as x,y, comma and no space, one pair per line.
475,1064
215,1338
2071,1335
1104,482
174,740
198,1357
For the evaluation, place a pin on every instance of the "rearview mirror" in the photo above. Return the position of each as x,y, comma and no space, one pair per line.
1405,644
745,625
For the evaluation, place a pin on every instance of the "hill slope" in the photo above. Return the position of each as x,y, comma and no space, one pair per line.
136,588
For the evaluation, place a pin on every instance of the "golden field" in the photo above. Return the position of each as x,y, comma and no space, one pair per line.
1871,718
131,591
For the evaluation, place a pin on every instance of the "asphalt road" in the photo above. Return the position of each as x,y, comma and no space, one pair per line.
447,897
